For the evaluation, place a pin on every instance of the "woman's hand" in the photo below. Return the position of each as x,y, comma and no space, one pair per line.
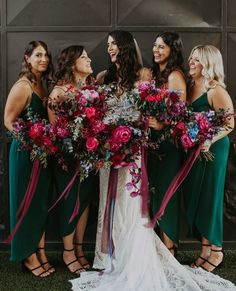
206,146
152,122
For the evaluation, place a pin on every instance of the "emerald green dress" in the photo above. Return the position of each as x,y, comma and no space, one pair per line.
163,164
88,190
25,241
204,188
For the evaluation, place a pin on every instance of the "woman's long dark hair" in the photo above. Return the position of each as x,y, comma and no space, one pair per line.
127,61
26,67
65,62
175,60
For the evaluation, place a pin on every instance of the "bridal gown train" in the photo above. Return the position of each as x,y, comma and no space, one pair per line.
141,262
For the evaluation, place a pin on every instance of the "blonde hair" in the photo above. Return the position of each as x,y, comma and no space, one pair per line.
211,60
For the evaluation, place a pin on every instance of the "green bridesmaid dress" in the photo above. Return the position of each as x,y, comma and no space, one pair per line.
25,241
88,190
204,189
163,164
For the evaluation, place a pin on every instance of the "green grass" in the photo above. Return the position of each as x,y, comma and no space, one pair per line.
13,279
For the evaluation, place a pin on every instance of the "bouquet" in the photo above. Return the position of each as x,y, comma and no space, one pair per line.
165,105
35,135
198,128
80,125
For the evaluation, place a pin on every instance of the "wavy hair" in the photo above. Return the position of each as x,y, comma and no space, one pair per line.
128,62
65,62
26,67
211,60
175,60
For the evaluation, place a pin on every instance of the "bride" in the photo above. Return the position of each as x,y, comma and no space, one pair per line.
140,261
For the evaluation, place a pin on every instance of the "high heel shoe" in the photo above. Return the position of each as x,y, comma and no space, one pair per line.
76,271
194,264
25,269
50,268
85,263
214,265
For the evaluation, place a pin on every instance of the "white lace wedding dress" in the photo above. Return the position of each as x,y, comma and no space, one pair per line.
141,262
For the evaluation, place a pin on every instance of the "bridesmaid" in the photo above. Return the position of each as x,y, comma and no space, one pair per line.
73,70
168,73
29,92
204,186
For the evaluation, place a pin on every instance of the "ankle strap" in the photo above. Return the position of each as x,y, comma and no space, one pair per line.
206,245
221,250
65,250
78,244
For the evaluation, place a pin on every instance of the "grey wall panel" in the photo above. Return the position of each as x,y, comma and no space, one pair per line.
169,13
231,12
59,12
231,65
94,42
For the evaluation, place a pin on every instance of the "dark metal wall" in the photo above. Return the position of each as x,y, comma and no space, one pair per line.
61,23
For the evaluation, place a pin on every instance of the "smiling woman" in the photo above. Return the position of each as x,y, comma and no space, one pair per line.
72,72
28,93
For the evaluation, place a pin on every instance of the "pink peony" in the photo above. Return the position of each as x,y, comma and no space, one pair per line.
92,144
121,134
90,112
186,141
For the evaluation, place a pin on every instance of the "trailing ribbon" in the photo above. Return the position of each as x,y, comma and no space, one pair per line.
66,192
174,185
29,194
77,206
107,245
144,182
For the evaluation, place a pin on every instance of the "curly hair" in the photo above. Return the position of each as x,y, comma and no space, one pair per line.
175,60
65,62
127,65
26,71
211,60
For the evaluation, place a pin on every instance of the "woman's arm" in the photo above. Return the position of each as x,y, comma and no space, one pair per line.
17,100
55,98
176,82
219,98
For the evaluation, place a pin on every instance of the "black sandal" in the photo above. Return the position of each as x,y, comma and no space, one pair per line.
86,265
220,265
27,270
51,269
77,271
194,264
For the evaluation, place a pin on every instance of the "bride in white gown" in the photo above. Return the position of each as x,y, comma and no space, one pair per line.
140,261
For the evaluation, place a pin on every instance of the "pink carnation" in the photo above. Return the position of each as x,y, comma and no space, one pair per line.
90,112
186,141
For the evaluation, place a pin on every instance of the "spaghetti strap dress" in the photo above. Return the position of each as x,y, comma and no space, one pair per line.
25,242
204,188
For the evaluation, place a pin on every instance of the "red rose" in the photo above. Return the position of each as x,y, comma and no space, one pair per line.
121,134
186,141
203,123
179,129
90,112
36,131
118,160
92,144
151,98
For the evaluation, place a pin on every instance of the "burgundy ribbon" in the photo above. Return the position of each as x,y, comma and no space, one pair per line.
66,192
174,185
144,182
107,245
29,194
77,206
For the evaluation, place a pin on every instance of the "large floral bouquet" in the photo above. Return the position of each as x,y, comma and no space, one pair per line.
196,128
36,136
80,123
161,103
